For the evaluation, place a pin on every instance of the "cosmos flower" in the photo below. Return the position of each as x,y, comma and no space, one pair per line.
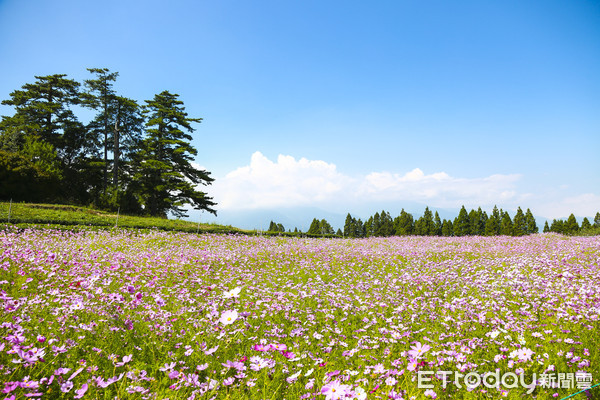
228,317
418,350
233,293
359,393
66,386
335,390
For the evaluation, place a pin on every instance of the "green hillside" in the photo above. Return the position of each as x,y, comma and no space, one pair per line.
73,217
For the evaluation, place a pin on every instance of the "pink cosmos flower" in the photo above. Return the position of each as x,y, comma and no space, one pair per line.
430,393
335,390
80,392
66,387
278,347
418,350
228,317
412,364
260,347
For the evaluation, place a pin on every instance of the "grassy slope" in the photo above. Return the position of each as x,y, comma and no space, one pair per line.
26,214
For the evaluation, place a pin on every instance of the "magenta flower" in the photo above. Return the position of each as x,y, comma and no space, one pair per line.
260,347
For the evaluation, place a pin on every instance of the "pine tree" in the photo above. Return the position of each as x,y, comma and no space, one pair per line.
491,226
519,223
376,225
571,226
557,226
585,224
386,224
597,220
360,229
447,229
349,226
506,227
403,224
43,110
100,97
368,227
165,176
43,118
530,224
428,224
325,228
546,227
462,223
315,228
437,225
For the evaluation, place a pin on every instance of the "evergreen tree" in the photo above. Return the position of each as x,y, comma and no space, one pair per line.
519,223
386,224
585,224
571,226
462,223
557,226
165,176
43,110
338,232
506,227
428,227
530,224
360,229
483,218
325,228
349,226
437,225
368,227
315,228
447,229
376,225
272,227
100,97
597,220
477,220
491,226
43,118
403,224
546,227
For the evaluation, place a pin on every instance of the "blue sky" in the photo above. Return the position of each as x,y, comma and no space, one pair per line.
346,105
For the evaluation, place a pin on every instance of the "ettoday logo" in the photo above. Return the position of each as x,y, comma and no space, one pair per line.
507,380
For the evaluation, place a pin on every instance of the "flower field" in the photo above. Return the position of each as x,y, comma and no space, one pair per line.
121,314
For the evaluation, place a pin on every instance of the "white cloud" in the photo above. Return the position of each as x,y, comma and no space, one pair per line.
587,204
289,182
440,189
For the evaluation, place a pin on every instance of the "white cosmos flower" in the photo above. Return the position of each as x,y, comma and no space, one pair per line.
228,317
232,293
360,394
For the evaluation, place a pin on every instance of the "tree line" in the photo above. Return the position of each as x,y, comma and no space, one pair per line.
132,157
472,223
571,227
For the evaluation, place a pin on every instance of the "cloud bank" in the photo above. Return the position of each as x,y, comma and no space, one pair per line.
288,182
